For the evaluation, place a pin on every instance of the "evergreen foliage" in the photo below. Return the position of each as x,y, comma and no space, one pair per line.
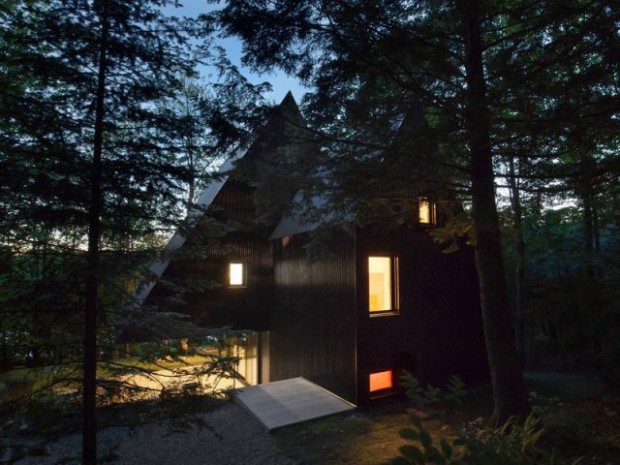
515,442
532,84
90,176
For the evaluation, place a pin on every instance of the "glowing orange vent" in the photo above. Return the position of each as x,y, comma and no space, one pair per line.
381,380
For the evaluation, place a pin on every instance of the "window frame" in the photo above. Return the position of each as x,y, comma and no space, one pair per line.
432,212
244,274
382,390
394,289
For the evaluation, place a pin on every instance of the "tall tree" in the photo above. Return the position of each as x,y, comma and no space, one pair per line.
89,389
508,387
85,151
520,312
467,63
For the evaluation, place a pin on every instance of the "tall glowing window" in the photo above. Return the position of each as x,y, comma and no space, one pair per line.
381,380
382,284
427,211
236,274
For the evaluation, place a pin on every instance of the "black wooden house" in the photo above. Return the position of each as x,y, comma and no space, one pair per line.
376,302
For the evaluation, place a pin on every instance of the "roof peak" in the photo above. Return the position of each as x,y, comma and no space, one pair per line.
289,102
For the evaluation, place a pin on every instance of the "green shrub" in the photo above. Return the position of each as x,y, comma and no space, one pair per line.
515,443
430,395
455,391
512,444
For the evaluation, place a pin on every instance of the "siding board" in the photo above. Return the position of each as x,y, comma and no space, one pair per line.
313,322
228,232
438,330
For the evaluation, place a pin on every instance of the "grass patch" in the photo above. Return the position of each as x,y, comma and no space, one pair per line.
23,383
48,398
168,363
25,380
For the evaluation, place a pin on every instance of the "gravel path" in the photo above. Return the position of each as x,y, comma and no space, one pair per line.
225,436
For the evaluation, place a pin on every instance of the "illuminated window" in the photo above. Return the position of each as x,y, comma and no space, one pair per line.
427,211
382,284
236,275
381,380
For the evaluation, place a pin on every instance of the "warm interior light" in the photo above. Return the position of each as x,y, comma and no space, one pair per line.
235,274
381,380
425,211
379,284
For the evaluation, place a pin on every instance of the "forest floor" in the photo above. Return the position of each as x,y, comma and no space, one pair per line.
581,418
191,431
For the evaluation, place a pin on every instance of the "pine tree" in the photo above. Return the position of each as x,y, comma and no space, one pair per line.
484,74
86,152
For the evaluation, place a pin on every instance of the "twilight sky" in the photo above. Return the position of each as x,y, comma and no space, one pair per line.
280,82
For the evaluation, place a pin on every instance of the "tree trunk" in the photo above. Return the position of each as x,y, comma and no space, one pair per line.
519,309
587,167
509,393
595,224
4,359
89,434
191,191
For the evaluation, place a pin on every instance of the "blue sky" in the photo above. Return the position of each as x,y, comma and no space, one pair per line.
280,82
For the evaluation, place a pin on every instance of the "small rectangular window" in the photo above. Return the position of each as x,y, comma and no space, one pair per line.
427,211
382,284
381,380
236,275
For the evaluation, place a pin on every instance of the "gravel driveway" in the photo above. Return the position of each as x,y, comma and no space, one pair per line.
227,435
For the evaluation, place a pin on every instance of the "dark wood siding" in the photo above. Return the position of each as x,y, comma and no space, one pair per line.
312,332
229,231
236,227
438,330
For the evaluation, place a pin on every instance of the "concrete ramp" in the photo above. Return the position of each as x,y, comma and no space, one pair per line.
290,401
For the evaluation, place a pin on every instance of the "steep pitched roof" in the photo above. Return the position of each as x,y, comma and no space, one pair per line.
287,112
296,221
299,221
206,197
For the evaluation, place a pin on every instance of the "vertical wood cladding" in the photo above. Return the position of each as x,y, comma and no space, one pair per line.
313,311
313,322
229,231
438,330
321,327
233,228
